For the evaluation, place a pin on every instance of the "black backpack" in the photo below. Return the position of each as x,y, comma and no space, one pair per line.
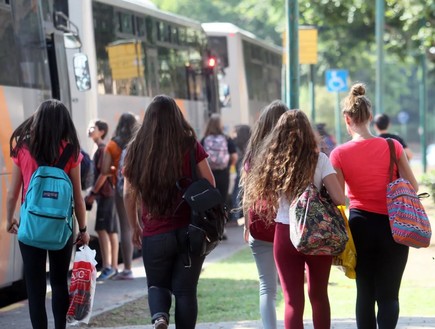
209,214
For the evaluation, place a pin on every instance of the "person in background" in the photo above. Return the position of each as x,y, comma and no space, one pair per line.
106,223
263,250
157,158
327,141
38,140
222,155
362,164
290,161
242,133
125,129
382,123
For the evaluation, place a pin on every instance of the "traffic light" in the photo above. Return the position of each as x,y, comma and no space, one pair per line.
211,62
210,65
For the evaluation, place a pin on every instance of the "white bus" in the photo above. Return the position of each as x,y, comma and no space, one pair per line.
134,52
249,72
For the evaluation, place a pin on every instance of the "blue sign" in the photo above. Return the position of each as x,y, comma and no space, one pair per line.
336,80
403,117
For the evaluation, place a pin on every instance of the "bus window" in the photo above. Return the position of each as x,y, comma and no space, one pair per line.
32,55
120,65
8,52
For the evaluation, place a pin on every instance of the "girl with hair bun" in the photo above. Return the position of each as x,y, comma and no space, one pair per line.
362,164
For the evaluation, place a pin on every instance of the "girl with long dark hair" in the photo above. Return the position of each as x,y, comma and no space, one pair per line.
37,140
157,158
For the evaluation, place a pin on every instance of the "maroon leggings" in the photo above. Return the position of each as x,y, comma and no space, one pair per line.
291,265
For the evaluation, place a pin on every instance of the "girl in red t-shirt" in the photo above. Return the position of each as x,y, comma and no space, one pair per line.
363,165
38,140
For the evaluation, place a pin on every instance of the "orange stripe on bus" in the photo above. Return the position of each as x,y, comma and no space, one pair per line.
5,131
182,107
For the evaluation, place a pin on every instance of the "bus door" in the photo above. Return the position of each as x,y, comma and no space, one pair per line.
60,88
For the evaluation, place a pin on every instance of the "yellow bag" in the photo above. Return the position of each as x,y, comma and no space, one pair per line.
347,259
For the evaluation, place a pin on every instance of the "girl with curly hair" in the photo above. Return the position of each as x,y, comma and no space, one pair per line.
290,161
363,164
262,250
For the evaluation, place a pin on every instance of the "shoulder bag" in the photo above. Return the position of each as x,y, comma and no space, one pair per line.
409,223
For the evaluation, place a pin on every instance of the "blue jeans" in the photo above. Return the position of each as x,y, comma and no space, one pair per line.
168,273
263,255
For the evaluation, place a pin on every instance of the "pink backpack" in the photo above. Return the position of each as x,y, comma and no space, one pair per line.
217,148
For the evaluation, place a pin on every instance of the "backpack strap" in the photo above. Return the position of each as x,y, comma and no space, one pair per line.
393,159
193,163
66,154
121,144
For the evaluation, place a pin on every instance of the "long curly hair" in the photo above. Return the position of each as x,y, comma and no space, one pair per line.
155,156
289,157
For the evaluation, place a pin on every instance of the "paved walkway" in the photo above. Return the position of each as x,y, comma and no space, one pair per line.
112,294
404,323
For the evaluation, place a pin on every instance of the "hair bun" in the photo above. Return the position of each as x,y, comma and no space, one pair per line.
358,89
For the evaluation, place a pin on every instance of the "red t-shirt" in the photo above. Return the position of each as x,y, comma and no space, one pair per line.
181,217
365,166
28,165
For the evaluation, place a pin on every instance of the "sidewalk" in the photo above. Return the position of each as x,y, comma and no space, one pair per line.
112,294
404,323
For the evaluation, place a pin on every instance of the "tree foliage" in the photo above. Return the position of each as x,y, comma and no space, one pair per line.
346,37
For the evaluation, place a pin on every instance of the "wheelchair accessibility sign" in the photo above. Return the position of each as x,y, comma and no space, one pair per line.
336,80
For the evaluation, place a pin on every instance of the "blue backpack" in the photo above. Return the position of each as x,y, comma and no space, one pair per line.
47,211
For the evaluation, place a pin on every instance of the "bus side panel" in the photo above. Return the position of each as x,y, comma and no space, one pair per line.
237,110
16,104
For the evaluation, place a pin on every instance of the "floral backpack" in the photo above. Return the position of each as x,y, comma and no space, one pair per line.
217,148
316,224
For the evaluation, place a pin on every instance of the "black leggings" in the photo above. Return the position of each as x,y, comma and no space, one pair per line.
34,260
165,258
222,179
380,266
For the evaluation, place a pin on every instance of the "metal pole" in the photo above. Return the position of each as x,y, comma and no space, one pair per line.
312,94
337,120
380,22
422,109
292,48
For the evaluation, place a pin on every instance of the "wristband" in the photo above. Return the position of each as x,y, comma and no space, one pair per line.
93,193
83,230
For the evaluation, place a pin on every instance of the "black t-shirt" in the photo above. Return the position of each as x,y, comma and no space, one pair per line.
397,138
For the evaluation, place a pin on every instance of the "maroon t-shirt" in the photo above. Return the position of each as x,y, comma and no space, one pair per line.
181,216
